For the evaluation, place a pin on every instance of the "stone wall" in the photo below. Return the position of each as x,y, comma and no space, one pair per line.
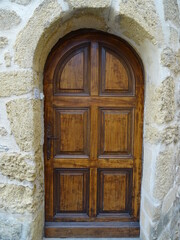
28,31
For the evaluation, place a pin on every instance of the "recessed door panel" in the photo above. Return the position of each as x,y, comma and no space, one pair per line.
71,190
71,74
72,131
116,76
114,193
115,132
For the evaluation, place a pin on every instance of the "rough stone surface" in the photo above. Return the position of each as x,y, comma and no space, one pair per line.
164,104
9,229
89,4
171,59
7,59
168,200
21,2
3,42
37,226
152,134
19,199
15,83
163,174
153,210
140,20
25,46
18,166
8,19
3,132
171,11
174,37
26,112
170,135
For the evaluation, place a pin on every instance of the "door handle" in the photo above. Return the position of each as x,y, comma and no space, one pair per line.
49,141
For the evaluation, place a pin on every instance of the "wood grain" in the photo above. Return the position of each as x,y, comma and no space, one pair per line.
93,85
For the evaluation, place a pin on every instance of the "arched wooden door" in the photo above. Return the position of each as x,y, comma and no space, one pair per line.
93,84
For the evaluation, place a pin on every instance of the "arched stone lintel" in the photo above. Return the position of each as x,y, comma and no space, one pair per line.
52,20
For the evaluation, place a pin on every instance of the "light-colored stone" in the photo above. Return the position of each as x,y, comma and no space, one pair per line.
26,112
88,4
19,199
10,229
7,59
168,200
3,42
8,19
3,132
139,20
174,37
25,46
171,11
170,135
18,166
37,226
152,134
164,104
21,2
15,83
163,179
165,235
147,173
153,210
171,59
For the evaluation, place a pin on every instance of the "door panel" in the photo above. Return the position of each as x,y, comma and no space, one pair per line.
71,191
93,84
72,131
115,132
116,76
114,190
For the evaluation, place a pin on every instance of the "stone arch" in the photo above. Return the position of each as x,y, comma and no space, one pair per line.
54,19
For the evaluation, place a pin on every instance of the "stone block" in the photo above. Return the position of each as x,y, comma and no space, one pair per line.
3,42
18,166
152,209
3,132
171,59
15,83
25,121
168,200
89,4
171,11
20,199
174,37
164,100
164,175
147,164
165,234
152,134
170,134
139,20
8,19
9,229
37,225
21,2
7,59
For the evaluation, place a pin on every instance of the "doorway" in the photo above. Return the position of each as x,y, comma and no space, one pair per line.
93,85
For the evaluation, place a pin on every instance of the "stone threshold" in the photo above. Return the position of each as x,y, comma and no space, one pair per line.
91,238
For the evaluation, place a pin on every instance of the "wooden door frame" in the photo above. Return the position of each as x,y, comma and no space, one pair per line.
139,86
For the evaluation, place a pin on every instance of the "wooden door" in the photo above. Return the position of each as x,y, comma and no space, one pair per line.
93,84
